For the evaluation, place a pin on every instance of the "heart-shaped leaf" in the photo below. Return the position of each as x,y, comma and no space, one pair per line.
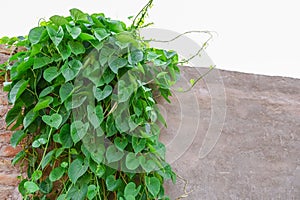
53,121
59,20
35,34
121,143
125,90
131,161
147,165
112,184
135,57
92,192
77,169
101,34
76,47
131,190
64,50
55,36
65,136
56,174
36,175
113,154
74,31
95,115
153,185
71,69
138,144
116,63
65,91
51,73
102,94
31,187
78,130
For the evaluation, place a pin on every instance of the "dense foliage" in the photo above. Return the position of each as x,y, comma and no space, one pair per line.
84,94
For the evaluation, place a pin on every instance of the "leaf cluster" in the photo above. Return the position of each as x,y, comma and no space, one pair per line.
84,94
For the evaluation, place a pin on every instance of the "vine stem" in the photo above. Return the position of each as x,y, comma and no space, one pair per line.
45,151
142,13
186,194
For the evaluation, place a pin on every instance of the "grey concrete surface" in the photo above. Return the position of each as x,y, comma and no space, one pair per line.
257,155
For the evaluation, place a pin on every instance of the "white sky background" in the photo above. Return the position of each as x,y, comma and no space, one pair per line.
257,36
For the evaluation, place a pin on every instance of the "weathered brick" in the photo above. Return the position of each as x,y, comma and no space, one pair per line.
5,137
9,151
9,179
6,166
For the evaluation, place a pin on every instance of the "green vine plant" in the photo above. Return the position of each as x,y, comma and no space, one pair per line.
84,109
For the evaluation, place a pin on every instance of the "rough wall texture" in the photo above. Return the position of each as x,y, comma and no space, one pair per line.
257,155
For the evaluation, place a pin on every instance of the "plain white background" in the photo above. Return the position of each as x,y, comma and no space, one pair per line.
257,36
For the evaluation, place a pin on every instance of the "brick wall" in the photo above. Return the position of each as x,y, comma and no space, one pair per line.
8,173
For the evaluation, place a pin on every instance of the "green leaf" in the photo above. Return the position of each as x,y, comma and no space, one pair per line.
46,91
86,37
38,142
59,20
138,144
40,62
131,161
31,187
53,121
135,57
113,154
64,50
116,63
71,69
92,192
121,143
78,15
17,90
130,190
65,91
56,174
78,192
17,137
35,34
74,31
65,136
148,166
36,175
78,130
46,186
153,185
102,94
76,170
125,91
18,157
101,34
46,160
95,115
43,103
13,114
112,184
29,118
116,26
76,47
51,73
55,36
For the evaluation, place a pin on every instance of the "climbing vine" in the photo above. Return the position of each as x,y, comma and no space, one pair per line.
84,109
